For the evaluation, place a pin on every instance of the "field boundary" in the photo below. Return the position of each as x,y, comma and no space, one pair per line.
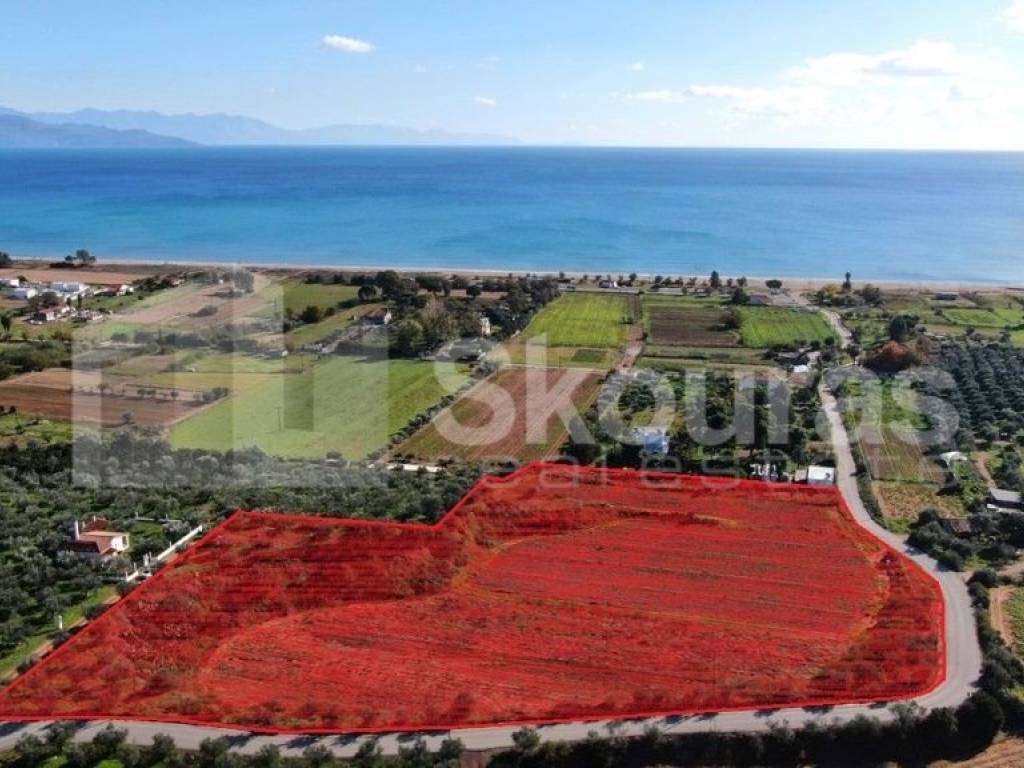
711,483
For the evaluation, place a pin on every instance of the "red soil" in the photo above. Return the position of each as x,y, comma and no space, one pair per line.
554,594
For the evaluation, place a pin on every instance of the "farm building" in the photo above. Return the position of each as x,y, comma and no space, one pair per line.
379,317
1001,500
47,315
817,475
97,540
24,293
69,290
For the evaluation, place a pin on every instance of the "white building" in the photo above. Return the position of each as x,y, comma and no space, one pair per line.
24,293
817,475
69,290
97,541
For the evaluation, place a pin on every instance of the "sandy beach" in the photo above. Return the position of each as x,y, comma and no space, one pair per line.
141,267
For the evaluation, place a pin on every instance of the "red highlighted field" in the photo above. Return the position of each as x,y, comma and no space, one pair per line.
554,594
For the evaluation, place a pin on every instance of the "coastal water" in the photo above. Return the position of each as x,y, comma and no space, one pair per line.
881,215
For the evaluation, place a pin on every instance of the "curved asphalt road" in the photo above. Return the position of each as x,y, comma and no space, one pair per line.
963,667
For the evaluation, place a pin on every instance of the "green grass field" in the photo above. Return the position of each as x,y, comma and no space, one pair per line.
1015,610
740,355
582,320
17,429
205,371
555,357
346,405
763,327
297,295
1000,315
339,321
693,364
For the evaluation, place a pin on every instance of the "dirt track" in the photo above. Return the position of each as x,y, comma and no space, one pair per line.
997,612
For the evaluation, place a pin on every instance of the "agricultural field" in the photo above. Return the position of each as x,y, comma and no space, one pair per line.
555,594
345,405
681,330
202,370
515,353
104,277
297,295
663,357
19,429
679,322
1015,614
314,333
59,393
763,327
994,311
495,420
585,320
987,314
890,455
189,307
891,435
905,501
1006,752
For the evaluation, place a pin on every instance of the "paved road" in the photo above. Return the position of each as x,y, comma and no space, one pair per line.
963,660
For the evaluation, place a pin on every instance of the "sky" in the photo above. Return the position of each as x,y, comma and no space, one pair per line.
924,74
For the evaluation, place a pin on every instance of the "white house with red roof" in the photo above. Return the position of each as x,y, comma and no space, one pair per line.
97,540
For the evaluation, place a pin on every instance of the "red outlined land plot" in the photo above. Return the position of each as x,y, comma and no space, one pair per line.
554,594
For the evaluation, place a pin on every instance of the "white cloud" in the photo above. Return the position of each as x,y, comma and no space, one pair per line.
348,44
662,94
786,102
485,101
1015,16
923,59
637,66
929,94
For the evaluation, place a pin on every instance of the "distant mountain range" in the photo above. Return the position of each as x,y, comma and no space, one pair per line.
128,128
16,130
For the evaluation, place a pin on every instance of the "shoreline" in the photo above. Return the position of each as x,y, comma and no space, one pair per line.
801,283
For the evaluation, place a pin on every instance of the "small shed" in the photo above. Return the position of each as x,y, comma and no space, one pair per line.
1004,500
818,475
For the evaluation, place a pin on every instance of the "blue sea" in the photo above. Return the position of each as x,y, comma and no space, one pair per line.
881,215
